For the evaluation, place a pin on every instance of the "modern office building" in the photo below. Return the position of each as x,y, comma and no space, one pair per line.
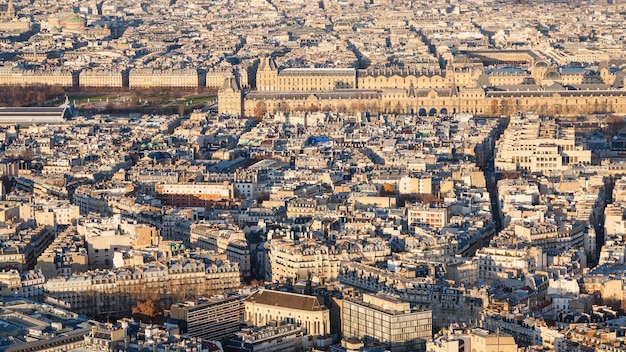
381,318
212,318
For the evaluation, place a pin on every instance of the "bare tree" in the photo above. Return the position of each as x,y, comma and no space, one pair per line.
260,109
614,125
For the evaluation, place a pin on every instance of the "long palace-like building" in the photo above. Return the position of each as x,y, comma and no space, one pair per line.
464,86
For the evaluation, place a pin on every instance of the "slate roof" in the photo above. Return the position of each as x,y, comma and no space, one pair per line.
286,300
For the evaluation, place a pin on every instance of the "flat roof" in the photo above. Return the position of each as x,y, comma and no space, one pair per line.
32,110
30,115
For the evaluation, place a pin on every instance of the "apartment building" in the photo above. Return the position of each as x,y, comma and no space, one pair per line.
99,292
65,256
103,78
425,215
20,250
536,145
276,336
485,341
167,78
193,194
415,185
496,263
21,75
448,304
307,260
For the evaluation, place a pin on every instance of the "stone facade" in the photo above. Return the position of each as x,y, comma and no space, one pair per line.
462,87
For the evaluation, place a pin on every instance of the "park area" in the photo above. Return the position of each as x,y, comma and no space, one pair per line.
110,100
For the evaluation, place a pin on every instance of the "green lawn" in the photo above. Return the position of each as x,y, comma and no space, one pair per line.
197,99
144,100
91,98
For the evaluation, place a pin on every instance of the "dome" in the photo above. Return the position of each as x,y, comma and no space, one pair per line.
552,75
541,64
76,19
54,29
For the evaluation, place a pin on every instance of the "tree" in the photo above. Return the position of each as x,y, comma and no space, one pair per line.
387,107
148,311
387,190
614,124
494,106
510,175
28,95
428,198
6,183
262,197
284,107
506,107
559,109
397,109
375,107
260,109
354,107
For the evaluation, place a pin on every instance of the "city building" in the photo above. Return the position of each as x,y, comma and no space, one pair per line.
423,215
193,194
276,336
34,115
167,78
381,318
484,341
213,318
305,311
293,262
38,76
533,145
